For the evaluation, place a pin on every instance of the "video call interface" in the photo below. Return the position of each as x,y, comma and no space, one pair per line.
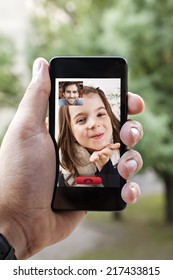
87,114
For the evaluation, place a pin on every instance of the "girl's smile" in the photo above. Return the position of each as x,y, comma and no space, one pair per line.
97,136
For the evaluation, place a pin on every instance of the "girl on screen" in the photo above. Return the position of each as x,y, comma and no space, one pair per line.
89,140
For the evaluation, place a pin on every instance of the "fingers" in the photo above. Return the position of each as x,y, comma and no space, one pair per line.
135,104
131,133
130,192
129,164
35,101
94,157
106,152
115,146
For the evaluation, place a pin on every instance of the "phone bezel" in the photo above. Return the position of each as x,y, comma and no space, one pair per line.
87,198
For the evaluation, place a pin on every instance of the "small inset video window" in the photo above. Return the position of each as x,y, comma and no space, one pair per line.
70,93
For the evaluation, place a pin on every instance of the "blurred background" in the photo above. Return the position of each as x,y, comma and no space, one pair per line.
141,31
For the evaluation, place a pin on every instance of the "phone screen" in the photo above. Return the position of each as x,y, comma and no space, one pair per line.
88,113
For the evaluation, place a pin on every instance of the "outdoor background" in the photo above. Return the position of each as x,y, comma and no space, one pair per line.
141,31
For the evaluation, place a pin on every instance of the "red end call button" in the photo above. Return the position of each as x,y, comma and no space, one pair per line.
89,180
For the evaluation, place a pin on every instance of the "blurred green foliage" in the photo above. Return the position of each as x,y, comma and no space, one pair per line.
9,80
139,30
147,29
69,28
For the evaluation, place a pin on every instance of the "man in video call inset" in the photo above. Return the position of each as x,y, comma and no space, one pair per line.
71,94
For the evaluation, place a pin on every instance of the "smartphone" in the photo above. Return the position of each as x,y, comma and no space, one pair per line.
87,108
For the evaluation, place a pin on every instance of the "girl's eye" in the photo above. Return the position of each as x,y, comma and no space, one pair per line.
101,114
81,121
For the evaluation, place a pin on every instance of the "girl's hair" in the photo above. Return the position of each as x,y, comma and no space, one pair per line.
66,138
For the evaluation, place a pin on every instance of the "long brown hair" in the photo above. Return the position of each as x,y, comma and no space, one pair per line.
66,138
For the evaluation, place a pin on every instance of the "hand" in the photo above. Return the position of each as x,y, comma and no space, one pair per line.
27,172
102,157
131,162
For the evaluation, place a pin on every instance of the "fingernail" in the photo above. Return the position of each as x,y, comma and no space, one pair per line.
133,188
131,166
136,193
135,133
36,68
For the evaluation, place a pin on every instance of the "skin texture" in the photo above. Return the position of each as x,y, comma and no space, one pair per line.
27,171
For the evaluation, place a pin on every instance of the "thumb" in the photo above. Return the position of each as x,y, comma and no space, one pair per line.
35,100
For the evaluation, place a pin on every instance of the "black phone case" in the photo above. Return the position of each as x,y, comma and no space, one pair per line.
87,198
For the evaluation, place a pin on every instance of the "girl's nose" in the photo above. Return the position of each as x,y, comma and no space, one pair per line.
93,123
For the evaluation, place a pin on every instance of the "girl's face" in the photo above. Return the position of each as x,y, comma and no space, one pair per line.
91,124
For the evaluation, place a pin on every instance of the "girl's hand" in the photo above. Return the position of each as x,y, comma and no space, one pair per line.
102,157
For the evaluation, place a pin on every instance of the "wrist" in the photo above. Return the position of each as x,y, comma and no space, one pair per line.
14,234
7,252
101,164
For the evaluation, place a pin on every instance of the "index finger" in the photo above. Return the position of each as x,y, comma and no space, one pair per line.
135,104
114,146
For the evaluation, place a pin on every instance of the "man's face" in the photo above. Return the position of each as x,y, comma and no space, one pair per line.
71,94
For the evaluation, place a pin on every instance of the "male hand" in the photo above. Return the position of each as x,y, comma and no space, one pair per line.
28,166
